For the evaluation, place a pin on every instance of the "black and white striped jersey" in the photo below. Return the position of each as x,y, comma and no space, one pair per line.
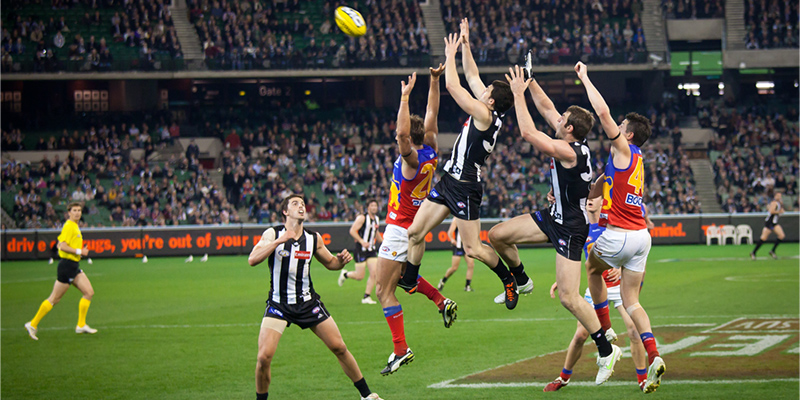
471,150
571,188
773,218
290,275
369,232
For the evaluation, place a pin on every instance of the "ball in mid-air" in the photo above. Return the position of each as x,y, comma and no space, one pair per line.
350,21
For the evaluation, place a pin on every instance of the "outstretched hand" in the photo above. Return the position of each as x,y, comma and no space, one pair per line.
406,88
581,70
436,72
464,31
517,81
451,43
344,257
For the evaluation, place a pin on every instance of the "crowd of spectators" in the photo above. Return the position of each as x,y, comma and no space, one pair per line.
756,154
142,24
771,24
693,9
556,32
281,35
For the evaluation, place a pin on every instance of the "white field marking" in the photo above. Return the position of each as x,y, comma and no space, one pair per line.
448,385
50,278
730,326
763,343
762,278
795,350
381,322
714,259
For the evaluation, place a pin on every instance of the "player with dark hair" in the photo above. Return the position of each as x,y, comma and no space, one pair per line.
411,181
288,249
365,233
626,241
458,253
70,250
460,191
775,209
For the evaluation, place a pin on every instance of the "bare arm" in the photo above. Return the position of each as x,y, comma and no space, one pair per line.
266,246
543,104
647,220
619,144
357,224
331,262
479,112
468,62
557,149
597,187
404,124
432,112
451,232
63,246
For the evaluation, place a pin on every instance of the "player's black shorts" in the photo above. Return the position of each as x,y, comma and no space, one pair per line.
305,315
361,256
458,251
567,241
68,270
769,225
462,198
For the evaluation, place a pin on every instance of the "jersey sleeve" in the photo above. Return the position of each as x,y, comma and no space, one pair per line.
67,233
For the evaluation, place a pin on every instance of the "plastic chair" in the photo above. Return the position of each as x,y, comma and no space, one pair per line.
727,232
713,232
744,231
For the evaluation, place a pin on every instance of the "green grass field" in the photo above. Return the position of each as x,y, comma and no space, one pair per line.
188,331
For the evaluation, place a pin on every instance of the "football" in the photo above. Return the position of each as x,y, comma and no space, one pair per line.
350,21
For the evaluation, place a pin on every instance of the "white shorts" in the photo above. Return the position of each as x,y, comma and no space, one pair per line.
395,244
614,295
624,249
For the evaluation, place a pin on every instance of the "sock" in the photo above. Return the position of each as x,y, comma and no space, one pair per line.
345,274
649,342
83,308
565,374
362,387
366,295
43,310
409,279
394,316
602,314
262,396
502,272
424,287
469,282
758,245
777,242
444,279
641,375
600,340
519,274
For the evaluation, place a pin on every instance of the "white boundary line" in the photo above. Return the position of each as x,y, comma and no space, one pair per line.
448,385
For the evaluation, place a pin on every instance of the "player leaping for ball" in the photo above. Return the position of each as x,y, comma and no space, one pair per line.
626,242
411,182
460,191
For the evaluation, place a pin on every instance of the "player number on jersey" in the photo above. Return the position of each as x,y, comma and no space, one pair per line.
637,177
422,189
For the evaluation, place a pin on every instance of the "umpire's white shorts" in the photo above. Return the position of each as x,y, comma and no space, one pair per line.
614,296
395,244
624,249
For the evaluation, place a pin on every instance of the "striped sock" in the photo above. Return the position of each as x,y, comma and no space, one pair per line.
44,308
641,375
394,316
649,342
565,374
602,314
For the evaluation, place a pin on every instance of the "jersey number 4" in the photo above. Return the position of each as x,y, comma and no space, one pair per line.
637,177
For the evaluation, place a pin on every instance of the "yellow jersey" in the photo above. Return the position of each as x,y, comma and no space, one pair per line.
71,235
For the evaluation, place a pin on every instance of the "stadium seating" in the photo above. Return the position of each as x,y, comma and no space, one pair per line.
771,25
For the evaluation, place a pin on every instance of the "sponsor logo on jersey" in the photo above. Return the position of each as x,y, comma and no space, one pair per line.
562,242
394,253
315,310
283,253
461,204
302,255
538,215
416,202
392,215
434,193
633,200
273,310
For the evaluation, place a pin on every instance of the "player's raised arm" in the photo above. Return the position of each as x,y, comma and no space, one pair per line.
479,112
557,149
404,124
543,104
468,62
432,112
331,262
266,246
618,142
597,187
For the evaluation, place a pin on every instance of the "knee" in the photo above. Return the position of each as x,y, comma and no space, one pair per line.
89,294
567,299
494,236
339,349
633,334
263,361
415,235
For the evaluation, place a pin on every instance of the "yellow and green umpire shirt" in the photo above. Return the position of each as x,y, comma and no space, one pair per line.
71,235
